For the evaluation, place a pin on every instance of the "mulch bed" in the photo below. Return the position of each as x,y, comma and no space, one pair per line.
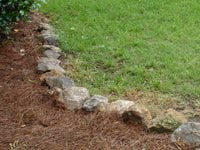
31,119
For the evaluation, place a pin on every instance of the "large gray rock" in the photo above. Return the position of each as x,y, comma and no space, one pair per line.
51,54
61,82
74,97
167,121
188,133
95,102
49,64
131,111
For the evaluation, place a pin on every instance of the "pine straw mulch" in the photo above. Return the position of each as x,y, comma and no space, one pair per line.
30,118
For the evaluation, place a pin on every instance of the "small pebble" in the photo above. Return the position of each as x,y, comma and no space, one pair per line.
23,126
22,50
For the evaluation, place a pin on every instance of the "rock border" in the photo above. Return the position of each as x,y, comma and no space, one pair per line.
75,98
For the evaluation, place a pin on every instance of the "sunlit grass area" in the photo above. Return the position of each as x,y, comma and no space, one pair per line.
118,46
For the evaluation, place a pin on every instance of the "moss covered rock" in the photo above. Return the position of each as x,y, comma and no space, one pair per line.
168,120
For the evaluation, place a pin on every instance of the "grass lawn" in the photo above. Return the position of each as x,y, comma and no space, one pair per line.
118,46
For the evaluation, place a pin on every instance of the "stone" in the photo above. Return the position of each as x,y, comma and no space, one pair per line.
131,111
187,133
45,26
75,97
120,106
60,97
55,49
137,114
95,102
49,64
50,39
52,47
49,60
51,54
167,121
52,73
49,33
49,67
61,82
22,50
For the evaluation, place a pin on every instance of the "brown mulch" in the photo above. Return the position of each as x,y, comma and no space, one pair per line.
30,119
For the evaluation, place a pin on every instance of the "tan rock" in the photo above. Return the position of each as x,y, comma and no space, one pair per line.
138,113
131,111
75,97
60,97
120,106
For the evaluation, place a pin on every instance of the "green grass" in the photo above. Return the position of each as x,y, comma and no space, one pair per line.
123,45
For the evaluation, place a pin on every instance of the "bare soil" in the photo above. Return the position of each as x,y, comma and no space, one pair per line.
31,119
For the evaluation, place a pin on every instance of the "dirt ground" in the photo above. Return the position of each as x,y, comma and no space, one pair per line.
30,118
